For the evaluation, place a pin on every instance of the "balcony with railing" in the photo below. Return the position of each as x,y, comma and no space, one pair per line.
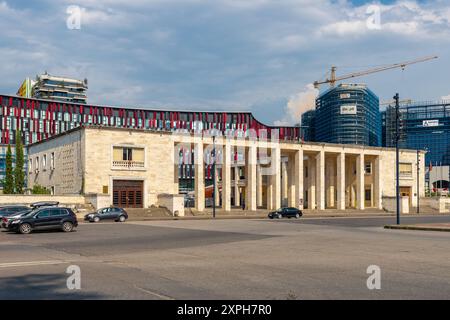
128,165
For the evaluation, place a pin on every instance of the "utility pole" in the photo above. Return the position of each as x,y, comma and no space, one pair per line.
397,162
214,176
418,185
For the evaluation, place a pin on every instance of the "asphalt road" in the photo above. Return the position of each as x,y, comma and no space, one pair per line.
375,221
228,259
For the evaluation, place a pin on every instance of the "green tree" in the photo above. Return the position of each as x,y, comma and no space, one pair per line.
19,177
38,189
8,185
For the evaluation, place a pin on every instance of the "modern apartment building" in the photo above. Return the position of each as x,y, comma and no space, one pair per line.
39,119
60,89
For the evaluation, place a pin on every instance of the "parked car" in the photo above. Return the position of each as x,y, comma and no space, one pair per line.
189,202
110,213
12,209
43,218
288,212
16,210
5,219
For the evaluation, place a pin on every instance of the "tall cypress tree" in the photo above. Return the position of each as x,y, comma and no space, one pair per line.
19,178
8,186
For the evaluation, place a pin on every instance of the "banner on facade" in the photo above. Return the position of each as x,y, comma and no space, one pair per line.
348,109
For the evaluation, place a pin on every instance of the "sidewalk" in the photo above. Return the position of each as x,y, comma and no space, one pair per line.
422,227
262,214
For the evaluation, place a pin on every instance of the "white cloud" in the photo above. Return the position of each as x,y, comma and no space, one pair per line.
344,28
227,54
298,104
408,18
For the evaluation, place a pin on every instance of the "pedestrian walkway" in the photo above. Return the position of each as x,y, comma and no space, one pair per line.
423,227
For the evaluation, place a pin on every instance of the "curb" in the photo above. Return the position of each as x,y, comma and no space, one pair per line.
410,227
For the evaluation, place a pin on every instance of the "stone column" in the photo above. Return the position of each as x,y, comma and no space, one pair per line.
331,177
259,187
276,177
226,177
284,182
237,193
291,181
377,193
340,181
311,183
320,180
269,193
360,182
251,179
199,177
298,179
217,194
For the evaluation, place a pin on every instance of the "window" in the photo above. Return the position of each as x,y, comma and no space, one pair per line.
44,214
368,168
52,190
405,170
52,160
37,163
127,154
44,161
30,164
368,195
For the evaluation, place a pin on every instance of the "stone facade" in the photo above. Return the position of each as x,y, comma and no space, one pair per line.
309,175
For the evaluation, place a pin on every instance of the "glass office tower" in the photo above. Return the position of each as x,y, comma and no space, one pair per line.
348,114
424,126
308,125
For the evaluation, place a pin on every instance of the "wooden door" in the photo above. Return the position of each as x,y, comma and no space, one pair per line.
128,193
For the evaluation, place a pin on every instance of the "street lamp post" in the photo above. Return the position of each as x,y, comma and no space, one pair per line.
418,185
397,163
214,176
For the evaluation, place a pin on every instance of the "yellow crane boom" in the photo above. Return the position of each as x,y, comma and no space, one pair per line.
333,78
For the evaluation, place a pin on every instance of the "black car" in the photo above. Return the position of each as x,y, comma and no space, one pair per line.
43,218
12,209
110,213
5,219
286,212
16,210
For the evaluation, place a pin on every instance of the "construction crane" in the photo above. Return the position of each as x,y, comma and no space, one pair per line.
333,78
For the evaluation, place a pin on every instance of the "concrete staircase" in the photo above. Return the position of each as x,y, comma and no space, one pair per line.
140,213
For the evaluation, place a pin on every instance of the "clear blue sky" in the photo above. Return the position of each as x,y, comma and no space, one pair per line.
252,55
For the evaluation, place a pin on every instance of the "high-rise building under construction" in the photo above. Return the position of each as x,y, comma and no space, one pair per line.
347,114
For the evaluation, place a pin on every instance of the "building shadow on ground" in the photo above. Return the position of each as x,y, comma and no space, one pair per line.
41,287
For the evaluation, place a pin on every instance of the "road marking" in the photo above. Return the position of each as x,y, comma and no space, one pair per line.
154,293
30,263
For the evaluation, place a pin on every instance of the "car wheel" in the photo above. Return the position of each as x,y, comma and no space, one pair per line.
122,218
67,226
25,228
279,216
96,219
297,215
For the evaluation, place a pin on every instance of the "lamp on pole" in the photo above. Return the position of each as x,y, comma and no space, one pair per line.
418,185
214,175
397,163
